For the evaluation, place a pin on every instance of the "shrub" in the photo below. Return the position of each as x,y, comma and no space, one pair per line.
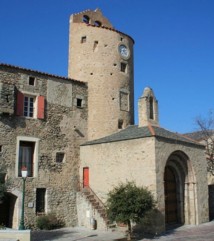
48,222
128,203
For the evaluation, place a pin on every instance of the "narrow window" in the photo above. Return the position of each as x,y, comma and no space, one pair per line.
97,23
40,200
83,39
0,148
151,108
60,157
31,81
86,19
120,124
95,45
123,67
79,103
26,153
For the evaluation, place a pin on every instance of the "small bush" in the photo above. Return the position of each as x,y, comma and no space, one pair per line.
48,222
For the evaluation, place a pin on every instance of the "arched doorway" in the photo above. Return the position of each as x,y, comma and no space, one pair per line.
7,207
179,190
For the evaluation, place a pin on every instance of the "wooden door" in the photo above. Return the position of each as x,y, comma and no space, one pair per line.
85,177
171,209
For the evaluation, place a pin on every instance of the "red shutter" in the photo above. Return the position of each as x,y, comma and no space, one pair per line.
19,103
41,107
85,177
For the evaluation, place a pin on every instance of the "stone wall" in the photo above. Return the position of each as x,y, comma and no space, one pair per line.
97,61
63,129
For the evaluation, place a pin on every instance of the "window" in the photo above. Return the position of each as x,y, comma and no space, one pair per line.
97,23
120,124
123,67
0,148
40,200
124,101
60,157
31,80
30,105
95,45
27,155
83,39
79,102
86,19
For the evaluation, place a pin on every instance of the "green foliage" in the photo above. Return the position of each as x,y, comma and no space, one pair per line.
127,203
48,222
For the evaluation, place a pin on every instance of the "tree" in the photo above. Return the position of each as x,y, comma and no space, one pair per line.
128,203
206,127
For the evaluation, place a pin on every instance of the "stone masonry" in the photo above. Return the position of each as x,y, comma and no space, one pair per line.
63,129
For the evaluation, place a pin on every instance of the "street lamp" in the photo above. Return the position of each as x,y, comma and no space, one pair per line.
22,221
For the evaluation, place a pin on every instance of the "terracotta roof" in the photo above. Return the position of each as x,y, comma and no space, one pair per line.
135,132
37,72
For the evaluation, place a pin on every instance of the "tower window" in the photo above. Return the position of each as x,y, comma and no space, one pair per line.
97,23
86,19
31,81
83,39
124,101
120,124
0,148
123,67
95,45
151,108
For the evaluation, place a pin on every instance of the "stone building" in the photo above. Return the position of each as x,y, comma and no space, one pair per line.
77,137
40,128
172,166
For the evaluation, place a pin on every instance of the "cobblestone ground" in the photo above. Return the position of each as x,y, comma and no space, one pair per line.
203,232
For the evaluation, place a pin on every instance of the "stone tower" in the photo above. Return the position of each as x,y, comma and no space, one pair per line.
102,57
148,108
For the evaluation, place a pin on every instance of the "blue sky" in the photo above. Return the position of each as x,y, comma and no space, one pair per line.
173,53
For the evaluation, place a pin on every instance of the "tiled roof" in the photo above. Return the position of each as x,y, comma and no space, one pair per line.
37,72
198,135
135,132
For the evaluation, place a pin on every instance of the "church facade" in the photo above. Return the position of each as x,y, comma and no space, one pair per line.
76,136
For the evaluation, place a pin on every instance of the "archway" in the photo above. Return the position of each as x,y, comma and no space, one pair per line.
179,190
7,207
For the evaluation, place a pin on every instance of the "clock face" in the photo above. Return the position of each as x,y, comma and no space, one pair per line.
124,51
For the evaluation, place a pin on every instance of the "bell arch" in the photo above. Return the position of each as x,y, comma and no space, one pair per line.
180,190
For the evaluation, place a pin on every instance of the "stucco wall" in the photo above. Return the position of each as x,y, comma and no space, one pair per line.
112,163
143,161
